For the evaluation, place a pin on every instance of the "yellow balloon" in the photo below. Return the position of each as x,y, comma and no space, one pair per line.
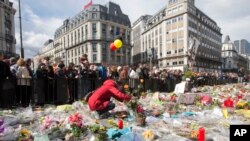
118,43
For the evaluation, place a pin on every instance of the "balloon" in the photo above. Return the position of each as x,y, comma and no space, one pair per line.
118,43
112,47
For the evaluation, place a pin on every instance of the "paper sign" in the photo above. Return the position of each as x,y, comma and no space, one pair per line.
180,88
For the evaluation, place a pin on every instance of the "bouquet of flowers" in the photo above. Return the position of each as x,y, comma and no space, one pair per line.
25,135
76,124
47,122
1,128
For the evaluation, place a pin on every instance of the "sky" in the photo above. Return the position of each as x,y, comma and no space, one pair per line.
40,18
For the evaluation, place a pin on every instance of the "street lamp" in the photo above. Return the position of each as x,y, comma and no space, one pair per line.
21,37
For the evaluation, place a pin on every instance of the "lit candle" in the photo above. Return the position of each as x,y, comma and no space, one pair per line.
201,135
120,124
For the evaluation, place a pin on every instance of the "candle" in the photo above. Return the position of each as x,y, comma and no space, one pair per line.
201,135
120,124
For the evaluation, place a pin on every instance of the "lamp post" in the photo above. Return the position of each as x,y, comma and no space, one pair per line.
21,37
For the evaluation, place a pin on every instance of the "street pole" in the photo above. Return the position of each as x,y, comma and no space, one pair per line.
21,36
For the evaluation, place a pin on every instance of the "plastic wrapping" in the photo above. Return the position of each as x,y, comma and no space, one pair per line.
173,137
26,115
78,106
65,108
131,137
9,134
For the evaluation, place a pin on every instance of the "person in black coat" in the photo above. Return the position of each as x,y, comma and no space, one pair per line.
71,74
5,84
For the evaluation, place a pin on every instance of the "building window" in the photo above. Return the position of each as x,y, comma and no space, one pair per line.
94,57
111,30
68,54
104,57
170,12
181,50
103,30
180,18
79,35
94,49
94,30
82,34
173,40
169,52
86,31
75,38
156,32
174,20
174,63
104,48
175,10
181,62
94,16
68,40
168,22
86,49
167,64
229,64
71,39
117,31
103,17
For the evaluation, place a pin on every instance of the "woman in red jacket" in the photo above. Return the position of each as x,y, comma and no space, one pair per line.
100,100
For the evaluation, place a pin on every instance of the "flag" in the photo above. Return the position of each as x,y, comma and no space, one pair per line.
88,5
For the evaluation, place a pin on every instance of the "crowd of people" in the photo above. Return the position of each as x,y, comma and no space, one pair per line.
86,77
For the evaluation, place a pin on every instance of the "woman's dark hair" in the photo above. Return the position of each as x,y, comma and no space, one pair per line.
61,65
71,65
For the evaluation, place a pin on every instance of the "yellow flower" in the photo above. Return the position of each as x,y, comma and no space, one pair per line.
148,135
25,132
194,134
126,86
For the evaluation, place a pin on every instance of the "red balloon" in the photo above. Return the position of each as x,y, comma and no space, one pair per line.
112,47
